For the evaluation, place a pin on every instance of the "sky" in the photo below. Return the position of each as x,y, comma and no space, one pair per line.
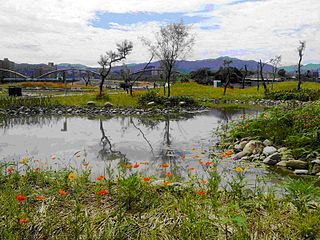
79,31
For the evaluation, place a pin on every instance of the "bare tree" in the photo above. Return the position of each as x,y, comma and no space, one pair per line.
275,62
226,65
261,66
87,78
173,42
244,75
111,57
301,49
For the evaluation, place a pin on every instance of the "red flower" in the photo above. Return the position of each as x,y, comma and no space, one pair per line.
40,198
208,163
201,192
146,179
165,165
21,198
23,220
100,178
102,192
136,165
165,183
168,174
10,170
62,192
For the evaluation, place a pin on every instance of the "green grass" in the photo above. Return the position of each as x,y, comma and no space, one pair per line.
133,208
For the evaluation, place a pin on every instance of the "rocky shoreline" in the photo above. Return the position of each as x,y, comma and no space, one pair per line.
251,150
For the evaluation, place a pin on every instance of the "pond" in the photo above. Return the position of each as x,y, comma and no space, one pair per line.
108,144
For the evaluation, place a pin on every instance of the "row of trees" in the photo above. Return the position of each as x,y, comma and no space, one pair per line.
173,42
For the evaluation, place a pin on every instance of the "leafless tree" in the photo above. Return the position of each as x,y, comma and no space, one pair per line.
226,65
275,62
173,42
301,49
244,76
87,78
111,57
261,66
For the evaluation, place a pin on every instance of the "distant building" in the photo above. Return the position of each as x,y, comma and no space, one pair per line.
43,69
151,71
6,64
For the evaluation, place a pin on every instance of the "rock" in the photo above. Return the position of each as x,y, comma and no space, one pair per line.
253,147
315,169
91,104
150,103
182,103
283,149
272,159
108,105
301,172
282,164
267,142
317,161
267,151
241,145
245,158
240,155
297,164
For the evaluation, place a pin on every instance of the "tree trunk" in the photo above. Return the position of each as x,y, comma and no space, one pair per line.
299,74
227,82
101,86
131,92
262,78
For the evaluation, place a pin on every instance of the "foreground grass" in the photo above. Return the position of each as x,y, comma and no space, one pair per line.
66,205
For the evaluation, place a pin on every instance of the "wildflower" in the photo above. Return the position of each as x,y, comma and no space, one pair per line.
197,156
53,157
202,181
72,176
247,125
100,178
165,165
214,168
228,154
62,192
168,174
37,169
193,149
136,165
201,193
37,160
208,163
200,162
25,160
21,198
191,169
146,179
128,166
39,198
239,169
144,163
23,220
102,192
10,170
165,183
183,156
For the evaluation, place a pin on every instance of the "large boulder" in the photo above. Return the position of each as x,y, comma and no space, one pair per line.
297,164
253,147
267,151
272,159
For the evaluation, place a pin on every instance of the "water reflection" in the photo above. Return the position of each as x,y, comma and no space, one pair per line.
114,142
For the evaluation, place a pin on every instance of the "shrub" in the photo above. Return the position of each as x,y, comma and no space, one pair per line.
303,95
158,100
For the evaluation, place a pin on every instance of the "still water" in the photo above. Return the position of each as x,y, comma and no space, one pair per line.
106,145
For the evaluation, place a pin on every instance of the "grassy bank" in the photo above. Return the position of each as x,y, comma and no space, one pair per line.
41,204
297,129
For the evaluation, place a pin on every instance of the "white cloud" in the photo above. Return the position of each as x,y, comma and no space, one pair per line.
59,31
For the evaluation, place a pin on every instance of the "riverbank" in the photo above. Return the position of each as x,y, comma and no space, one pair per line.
282,137
40,204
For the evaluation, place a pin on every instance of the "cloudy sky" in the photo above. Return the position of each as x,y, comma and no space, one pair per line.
78,31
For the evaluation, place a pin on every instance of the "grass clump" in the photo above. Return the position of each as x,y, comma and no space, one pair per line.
297,129
40,204
13,102
304,95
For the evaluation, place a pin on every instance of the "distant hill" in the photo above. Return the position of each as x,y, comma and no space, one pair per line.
310,66
69,65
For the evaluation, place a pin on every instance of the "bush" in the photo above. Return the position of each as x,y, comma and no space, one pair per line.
304,95
158,100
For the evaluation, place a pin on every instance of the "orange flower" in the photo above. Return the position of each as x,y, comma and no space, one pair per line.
128,166
201,192
146,179
183,156
247,125
191,169
136,165
102,192
37,169
208,163
100,178
168,174
39,198
200,162
21,198
165,165
197,156
23,220
202,181
228,154
10,170
62,192
165,183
